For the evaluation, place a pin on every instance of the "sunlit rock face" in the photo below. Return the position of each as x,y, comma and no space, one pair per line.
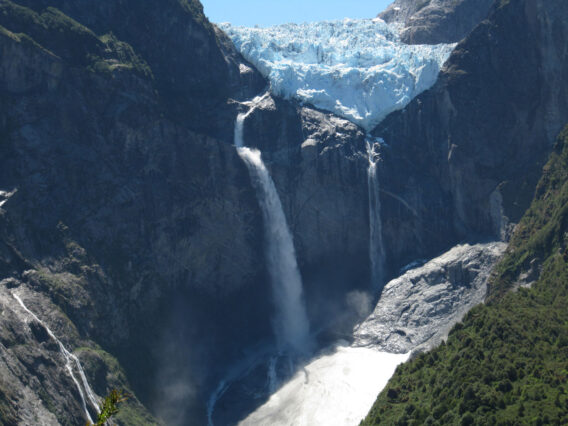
417,309
436,21
357,69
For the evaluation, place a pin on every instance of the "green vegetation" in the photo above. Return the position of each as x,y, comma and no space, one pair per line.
67,39
195,9
104,370
109,407
120,55
507,363
541,231
51,29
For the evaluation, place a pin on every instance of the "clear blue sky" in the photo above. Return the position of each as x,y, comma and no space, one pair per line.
266,12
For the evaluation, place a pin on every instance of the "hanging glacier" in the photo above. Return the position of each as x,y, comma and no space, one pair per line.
356,68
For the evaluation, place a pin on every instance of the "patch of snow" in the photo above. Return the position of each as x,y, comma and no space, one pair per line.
356,68
5,196
244,69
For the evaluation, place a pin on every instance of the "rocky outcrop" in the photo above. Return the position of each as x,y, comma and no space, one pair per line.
436,21
418,309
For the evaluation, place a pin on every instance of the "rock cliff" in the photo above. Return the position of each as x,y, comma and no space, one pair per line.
132,222
436,21
463,158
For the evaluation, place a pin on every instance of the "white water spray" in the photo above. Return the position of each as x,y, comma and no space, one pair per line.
376,247
291,324
70,360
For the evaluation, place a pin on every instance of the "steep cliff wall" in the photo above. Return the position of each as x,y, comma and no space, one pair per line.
464,157
136,226
319,164
194,65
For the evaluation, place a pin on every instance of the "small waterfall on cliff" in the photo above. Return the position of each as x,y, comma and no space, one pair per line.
291,324
376,247
70,360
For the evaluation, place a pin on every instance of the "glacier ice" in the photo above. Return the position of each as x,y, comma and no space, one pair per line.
356,68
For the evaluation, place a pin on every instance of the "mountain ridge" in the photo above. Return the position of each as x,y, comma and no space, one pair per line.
436,21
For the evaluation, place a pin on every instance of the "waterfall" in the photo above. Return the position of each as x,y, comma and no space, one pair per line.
376,247
272,377
70,360
291,321
218,393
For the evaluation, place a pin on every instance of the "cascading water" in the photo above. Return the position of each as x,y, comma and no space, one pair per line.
291,324
376,247
70,359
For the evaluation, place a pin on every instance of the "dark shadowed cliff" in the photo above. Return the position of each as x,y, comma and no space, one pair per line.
116,212
465,156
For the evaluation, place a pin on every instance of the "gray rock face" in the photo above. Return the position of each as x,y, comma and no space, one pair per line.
418,309
436,21
189,58
35,378
142,226
465,156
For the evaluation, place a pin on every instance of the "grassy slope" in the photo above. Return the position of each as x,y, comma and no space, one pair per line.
507,363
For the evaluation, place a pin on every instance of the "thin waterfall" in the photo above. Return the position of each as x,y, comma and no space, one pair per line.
218,393
376,247
272,377
290,323
70,360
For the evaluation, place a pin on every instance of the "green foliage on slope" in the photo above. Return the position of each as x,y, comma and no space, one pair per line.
507,363
109,407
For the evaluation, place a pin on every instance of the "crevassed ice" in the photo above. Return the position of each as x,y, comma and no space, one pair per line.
358,69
